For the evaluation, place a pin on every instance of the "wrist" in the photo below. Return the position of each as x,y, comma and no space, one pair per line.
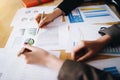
105,40
54,63
57,12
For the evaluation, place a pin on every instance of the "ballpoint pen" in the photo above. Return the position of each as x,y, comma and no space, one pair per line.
42,16
29,41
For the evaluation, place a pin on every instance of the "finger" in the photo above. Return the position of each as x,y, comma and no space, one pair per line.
76,51
80,53
42,22
37,18
85,57
29,47
21,51
76,48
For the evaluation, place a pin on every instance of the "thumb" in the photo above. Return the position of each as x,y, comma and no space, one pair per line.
80,53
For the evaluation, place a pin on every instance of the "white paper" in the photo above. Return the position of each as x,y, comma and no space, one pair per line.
49,38
108,65
104,63
25,17
4,61
22,71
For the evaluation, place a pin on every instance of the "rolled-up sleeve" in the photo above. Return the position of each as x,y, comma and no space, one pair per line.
68,5
80,71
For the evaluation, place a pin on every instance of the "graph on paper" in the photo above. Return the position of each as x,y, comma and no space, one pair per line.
111,50
113,70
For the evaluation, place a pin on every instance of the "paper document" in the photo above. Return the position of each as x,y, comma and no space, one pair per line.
19,70
52,37
109,65
92,14
4,61
25,17
49,38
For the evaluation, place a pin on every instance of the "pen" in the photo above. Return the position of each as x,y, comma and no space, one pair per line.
23,51
42,16
29,41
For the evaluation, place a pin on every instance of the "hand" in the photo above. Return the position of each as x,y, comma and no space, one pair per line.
87,49
38,56
47,18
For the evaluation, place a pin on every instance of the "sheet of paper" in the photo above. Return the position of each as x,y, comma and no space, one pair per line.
92,14
25,17
109,65
49,38
4,61
22,71
52,38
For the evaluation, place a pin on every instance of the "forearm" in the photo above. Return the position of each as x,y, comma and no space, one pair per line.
57,12
71,70
65,8
104,40
68,5
54,63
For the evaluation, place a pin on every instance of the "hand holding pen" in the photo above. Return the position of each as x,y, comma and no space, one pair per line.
44,19
49,17
29,41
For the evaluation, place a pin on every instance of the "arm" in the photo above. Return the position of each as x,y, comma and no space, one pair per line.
71,70
64,7
68,5
87,49
40,57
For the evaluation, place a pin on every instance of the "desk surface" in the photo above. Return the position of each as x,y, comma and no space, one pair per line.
7,12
